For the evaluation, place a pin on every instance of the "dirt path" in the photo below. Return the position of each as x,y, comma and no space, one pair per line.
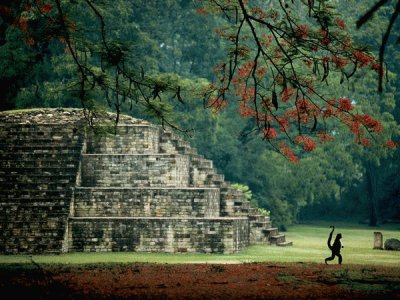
202,281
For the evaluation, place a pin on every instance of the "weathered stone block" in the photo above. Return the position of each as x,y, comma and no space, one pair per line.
147,202
135,170
159,234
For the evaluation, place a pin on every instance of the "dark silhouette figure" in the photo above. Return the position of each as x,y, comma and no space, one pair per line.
335,248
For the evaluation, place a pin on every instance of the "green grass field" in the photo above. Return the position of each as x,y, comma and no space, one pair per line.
309,245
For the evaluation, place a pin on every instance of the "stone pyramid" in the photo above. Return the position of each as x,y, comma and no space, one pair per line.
64,188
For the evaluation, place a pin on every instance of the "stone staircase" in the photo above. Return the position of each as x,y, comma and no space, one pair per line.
143,189
38,170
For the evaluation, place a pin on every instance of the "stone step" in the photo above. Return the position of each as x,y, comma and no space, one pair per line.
27,156
202,164
284,244
266,225
39,202
242,204
37,177
34,133
146,202
27,214
260,218
187,150
232,195
34,193
50,127
35,185
34,147
272,231
27,140
41,171
275,239
39,163
253,211
135,170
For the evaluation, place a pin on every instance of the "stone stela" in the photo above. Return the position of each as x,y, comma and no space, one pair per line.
66,189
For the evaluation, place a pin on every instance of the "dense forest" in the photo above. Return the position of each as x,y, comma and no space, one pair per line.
154,59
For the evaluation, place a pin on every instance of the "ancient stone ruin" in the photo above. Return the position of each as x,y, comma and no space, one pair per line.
64,188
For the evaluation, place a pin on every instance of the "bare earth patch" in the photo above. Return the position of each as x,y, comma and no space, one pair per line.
201,281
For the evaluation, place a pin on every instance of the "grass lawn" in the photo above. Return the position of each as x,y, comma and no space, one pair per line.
309,245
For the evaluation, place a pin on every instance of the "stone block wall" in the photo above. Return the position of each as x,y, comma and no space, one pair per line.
218,235
146,202
121,170
38,168
128,139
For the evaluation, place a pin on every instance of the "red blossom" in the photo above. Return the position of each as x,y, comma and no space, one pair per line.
391,144
340,23
378,68
307,143
258,11
245,111
302,31
355,127
246,69
339,62
269,133
261,72
46,8
21,23
217,103
266,40
287,152
283,124
363,58
370,123
345,105
325,137
364,142
248,94
287,93
325,40
30,41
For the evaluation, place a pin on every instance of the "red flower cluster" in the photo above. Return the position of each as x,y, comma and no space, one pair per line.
286,94
345,105
340,23
283,124
246,111
325,137
46,8
339,62
269,133
307,143
363,58
391,144
266,40
370,123
325,40
287,152
245,70
302,31
217,103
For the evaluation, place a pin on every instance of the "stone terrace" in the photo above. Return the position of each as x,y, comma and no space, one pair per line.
64,188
